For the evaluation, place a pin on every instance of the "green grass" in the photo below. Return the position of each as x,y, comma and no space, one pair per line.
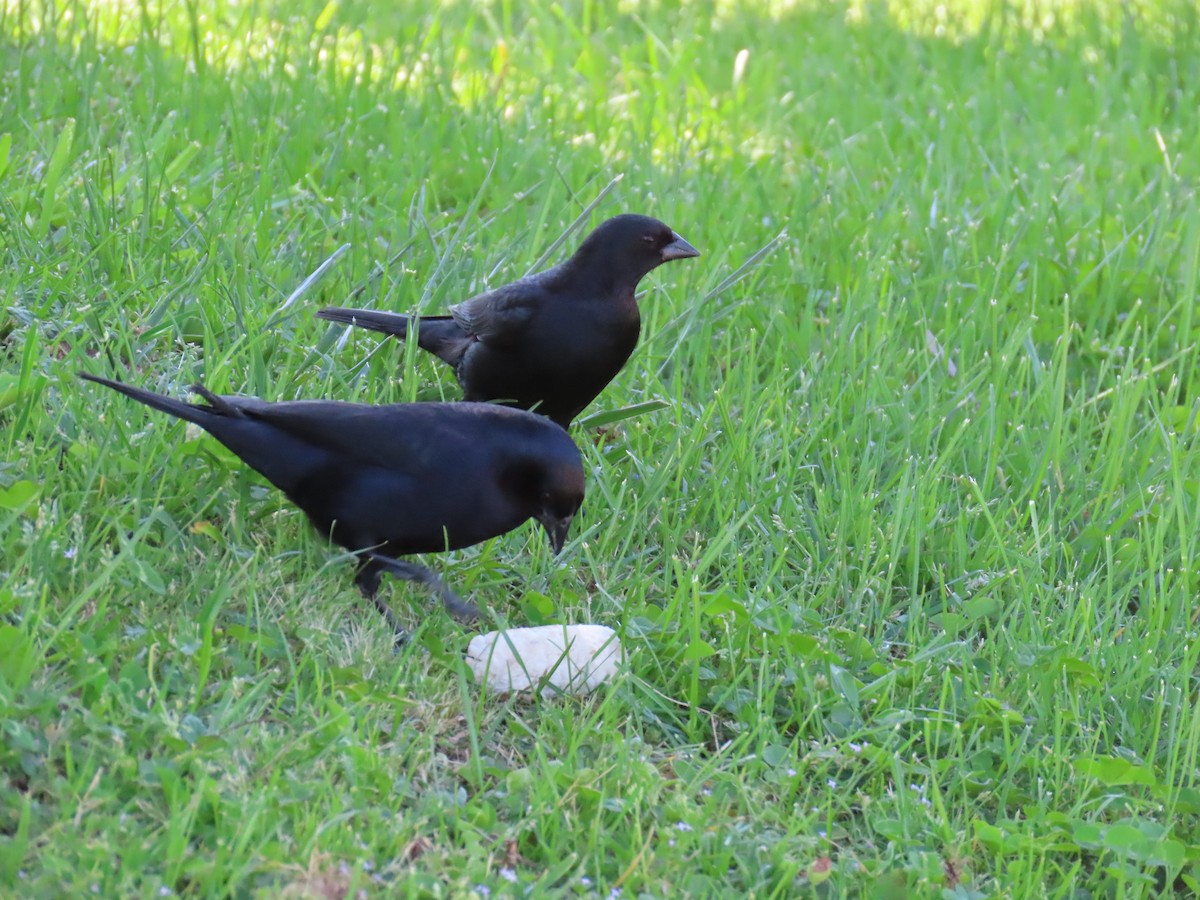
906,566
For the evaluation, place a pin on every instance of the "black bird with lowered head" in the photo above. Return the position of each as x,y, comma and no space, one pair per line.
387,481
550,342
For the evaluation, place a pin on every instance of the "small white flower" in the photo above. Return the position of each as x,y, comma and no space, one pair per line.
832,783
508,875
682,826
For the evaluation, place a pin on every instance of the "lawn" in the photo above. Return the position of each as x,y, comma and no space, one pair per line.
902,539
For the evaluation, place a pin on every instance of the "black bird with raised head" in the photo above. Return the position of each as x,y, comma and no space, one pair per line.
387,481
552,341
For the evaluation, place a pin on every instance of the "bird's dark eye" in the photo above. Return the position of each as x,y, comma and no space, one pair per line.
649,238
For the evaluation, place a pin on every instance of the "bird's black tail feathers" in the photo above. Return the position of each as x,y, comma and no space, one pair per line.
388,323
201,415
439,335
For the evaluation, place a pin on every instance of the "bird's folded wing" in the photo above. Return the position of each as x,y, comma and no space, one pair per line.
404,437
500,317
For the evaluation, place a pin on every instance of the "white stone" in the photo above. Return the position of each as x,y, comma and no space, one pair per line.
574,659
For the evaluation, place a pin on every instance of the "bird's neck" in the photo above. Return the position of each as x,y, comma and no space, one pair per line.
601,281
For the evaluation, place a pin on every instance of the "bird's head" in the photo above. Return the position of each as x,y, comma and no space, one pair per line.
559,500
549,485
634,245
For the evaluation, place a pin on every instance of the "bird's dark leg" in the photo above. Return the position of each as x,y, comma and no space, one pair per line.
369,574
459,608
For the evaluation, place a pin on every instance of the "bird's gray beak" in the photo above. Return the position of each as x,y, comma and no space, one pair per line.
557,530
678,249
